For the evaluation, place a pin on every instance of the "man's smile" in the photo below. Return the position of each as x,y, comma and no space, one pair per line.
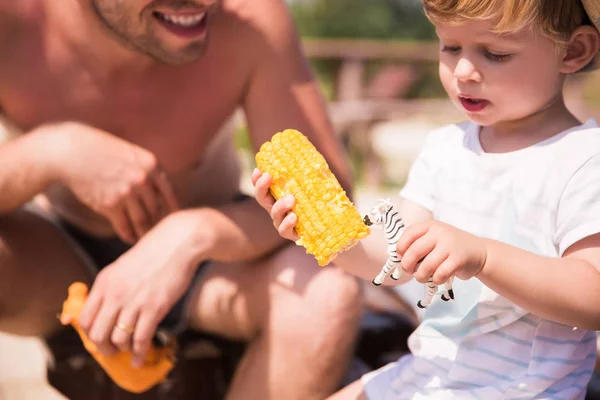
184,20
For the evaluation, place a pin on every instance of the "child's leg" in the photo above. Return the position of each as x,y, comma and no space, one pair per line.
354,391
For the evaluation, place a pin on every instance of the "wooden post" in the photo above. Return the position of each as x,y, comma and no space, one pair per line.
350,80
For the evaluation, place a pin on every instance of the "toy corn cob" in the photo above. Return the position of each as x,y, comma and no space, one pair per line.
158,363
328,223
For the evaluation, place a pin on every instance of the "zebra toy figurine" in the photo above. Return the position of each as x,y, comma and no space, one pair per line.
384,214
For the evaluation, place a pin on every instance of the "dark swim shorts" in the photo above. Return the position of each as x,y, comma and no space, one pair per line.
104,251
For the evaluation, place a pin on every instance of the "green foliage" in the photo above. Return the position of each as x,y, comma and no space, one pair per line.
373,19
429,86
366,19
591,88
241,138
325,71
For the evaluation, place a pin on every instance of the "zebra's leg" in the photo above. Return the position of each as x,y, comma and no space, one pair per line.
384,272
394,261
397,272
430,290
449,293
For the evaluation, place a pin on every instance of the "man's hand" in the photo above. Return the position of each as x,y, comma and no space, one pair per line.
131,296
117,179
445,251
280,211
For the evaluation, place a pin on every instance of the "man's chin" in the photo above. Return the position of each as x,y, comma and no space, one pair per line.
179,57
181,60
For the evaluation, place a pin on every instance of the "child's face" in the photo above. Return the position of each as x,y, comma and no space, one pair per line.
498,78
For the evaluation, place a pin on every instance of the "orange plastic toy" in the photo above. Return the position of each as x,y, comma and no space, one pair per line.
158,363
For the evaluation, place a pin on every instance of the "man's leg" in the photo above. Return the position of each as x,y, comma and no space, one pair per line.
301,321
354,391
37,265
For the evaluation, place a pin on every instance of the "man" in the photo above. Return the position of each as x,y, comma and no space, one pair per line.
121,105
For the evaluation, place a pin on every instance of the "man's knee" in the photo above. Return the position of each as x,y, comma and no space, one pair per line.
36,266
321,331
330,307
340,300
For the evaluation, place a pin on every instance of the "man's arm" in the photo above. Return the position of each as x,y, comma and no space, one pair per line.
565,290
281,93
26,168
234,232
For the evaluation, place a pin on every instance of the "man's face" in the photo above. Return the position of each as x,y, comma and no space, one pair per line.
171,31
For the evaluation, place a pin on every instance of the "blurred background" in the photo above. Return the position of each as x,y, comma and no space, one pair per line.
376,62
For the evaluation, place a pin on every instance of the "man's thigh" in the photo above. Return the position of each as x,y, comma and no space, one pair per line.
237,300
38,262
354,391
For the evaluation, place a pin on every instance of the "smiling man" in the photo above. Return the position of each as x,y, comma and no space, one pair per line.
125,176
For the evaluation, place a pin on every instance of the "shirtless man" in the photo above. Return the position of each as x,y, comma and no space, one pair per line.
121,103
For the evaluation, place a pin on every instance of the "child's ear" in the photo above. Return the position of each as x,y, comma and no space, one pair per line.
581,49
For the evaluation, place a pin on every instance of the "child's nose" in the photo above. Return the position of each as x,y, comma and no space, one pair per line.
466,71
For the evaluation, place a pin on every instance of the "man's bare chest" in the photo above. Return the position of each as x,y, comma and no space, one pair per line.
173,115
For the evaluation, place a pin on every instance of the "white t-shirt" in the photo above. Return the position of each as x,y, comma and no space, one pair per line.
542,199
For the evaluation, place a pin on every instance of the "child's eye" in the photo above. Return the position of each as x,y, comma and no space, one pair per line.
496,57
450,49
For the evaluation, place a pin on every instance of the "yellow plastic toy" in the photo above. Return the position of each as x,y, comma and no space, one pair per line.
158,363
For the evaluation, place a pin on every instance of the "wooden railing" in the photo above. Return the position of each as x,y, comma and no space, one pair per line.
352,112
364,49
355,54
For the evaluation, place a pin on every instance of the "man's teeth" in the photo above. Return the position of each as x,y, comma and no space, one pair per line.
186,21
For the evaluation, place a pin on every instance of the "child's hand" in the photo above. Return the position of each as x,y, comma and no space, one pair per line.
284,219
445,251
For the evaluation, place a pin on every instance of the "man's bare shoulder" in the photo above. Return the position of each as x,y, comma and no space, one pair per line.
18,12
18,19
266,23
14,17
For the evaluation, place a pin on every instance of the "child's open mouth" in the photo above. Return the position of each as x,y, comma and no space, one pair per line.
472,104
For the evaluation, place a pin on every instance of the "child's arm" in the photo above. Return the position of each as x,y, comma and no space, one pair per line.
366,259
367,256
565,290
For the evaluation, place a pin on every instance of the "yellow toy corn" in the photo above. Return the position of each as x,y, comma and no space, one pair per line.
328,223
